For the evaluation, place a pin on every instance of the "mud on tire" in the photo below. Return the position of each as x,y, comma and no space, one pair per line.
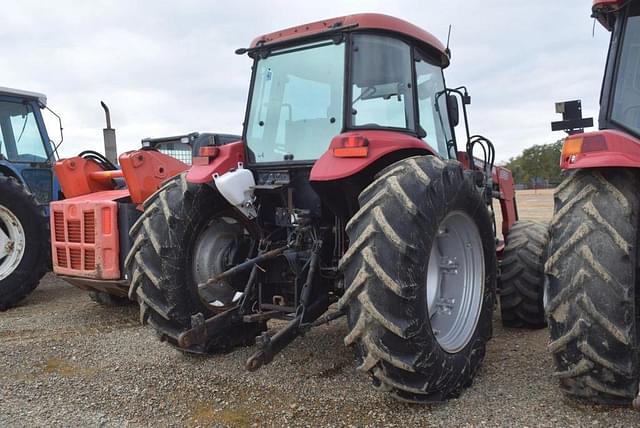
521,282
159,265
591,285
21,280
385,272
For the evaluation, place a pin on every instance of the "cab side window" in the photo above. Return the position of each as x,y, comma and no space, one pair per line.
432,106
381,91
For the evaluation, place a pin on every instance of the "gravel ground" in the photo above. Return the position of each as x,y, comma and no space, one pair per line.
67,361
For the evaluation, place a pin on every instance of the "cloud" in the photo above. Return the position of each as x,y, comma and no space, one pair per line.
167,68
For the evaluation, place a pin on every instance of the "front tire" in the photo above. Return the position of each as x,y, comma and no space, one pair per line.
24,242
592,285
521,284
406,231
161,264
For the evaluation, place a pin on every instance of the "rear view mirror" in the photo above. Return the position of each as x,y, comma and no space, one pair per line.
454,113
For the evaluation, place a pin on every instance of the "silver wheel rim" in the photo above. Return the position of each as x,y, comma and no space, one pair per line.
455,281
207,261
12,242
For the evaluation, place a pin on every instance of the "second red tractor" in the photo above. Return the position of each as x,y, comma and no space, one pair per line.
592,298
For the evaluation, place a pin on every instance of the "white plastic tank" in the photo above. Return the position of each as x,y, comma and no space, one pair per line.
237,187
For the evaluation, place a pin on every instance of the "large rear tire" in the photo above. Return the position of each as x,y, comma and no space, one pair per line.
521,283
161,263
422,227
592,285
24,242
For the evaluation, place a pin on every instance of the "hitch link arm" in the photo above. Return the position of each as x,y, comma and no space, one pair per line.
270,346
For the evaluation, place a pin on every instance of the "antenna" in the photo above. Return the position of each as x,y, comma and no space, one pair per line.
447,50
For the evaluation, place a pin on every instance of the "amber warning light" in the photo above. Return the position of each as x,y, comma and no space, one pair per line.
209,151
582,144
352,146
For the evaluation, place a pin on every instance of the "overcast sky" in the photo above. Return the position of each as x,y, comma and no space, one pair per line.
168,68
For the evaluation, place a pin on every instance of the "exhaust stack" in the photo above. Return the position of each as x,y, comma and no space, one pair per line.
109,135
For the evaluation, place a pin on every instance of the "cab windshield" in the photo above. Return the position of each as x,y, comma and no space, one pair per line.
626,99
296,106
20,137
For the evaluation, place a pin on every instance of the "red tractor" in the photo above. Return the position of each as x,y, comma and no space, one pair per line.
347,195
592,299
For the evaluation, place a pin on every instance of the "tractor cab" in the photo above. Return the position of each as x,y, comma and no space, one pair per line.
344,79
617,143
620,103
25,149
344,97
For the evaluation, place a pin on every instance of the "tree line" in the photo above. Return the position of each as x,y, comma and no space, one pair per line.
537,165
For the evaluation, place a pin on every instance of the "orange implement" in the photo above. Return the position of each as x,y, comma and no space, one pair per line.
79,176
145,170
105,176
84,235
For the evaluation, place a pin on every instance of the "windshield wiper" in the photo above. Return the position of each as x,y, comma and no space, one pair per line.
24,126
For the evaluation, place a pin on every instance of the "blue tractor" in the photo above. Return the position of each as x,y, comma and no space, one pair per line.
27,185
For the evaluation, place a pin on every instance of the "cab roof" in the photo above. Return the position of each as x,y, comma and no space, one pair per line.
607,3
35,96
604,11
363,21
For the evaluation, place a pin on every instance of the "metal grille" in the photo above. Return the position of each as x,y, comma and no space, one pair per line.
180,151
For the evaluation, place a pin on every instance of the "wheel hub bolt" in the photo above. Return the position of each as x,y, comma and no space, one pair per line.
445,305
449,266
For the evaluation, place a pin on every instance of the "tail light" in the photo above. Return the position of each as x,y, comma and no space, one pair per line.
208,151
205,155
352,146
582,144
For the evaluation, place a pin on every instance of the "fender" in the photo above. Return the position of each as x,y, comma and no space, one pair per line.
379,143
226,158
599,149
9,170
